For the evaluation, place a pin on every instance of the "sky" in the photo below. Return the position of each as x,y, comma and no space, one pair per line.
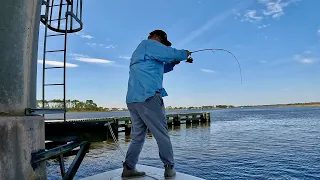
277,43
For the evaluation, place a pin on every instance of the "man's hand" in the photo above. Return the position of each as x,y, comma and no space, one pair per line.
188,53
189,60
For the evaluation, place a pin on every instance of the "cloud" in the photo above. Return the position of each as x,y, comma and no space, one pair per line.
214,21
207,70
304,60
111,46
271,8
318,32
57,63
86,36
251,16
125,57
100,45
275,8
91,44
307,60
263,62
93,60
263,26
85,58
77,55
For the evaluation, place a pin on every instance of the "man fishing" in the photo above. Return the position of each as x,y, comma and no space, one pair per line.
151,59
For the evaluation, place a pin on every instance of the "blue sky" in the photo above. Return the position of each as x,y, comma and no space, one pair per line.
277,43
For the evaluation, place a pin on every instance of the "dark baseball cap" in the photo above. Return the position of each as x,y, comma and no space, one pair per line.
162,35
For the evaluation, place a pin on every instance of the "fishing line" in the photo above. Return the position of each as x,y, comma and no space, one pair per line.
220,49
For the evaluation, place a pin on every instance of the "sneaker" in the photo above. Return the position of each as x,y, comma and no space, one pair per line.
128,172
169,171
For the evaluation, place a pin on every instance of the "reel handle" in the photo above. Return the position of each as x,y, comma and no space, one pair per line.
189,60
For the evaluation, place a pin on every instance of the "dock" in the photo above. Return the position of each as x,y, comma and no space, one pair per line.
97,130
74,136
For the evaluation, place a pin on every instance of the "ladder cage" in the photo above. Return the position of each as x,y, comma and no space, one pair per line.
57,13
61,17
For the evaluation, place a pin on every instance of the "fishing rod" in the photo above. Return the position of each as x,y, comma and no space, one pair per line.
190,59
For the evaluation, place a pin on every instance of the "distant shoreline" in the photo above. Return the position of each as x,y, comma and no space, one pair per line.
316,104
228,107
91,106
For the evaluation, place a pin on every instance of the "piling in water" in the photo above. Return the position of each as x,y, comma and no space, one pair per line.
96,130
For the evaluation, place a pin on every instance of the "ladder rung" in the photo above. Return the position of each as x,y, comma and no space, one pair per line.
53,67
56,50
55,35
53,84
56,101
57,5
57,19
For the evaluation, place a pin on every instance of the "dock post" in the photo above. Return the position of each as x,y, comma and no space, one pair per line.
207,116
202,118
176,120
20,135
188,120
169,120
127,130
195,119
115,126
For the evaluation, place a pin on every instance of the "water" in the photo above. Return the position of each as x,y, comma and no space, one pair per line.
253,143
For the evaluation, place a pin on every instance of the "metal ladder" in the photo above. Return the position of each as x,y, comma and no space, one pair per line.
65,9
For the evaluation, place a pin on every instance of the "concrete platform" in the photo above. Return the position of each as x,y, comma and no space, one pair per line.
19,137
152,173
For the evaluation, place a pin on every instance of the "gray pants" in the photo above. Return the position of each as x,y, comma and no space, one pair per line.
149,114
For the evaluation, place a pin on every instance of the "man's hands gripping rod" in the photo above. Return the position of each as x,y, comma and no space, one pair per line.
189,60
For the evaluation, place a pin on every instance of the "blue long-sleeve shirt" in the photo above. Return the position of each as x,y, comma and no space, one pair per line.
149,62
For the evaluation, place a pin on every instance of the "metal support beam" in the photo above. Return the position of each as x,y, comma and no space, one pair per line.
76,162
58,152
62,167
30,112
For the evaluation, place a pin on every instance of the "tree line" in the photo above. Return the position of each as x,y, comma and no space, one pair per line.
200,107
74,105
90,105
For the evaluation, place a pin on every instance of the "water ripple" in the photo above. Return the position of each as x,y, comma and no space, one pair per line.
248,143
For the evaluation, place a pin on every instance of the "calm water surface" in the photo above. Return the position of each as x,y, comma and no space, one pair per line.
248,143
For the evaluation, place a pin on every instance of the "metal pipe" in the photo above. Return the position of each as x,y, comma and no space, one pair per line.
65,59
44,53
